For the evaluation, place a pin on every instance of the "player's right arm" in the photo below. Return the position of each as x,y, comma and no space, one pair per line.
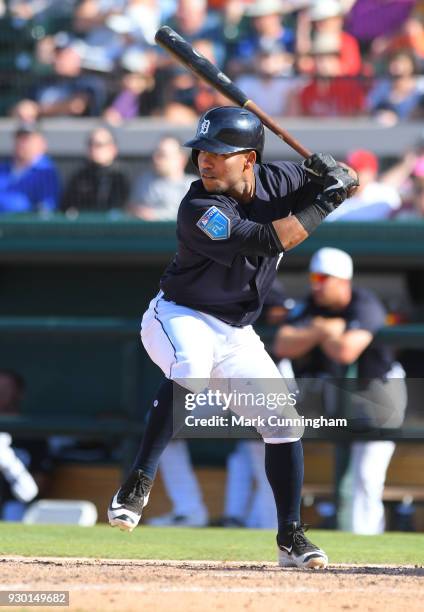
292,230
212,226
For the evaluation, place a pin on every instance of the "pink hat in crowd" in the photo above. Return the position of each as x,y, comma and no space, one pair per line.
361,159
419,167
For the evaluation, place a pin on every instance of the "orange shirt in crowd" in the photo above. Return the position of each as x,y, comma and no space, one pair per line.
406,42
350,55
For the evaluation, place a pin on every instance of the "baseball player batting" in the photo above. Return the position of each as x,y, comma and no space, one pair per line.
233,225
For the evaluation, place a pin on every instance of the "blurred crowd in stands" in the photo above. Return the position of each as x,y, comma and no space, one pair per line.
30,181
98,58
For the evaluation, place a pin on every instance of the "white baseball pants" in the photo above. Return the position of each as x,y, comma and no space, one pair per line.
190,347
369,463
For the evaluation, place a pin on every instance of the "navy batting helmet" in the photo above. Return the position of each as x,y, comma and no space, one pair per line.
228,129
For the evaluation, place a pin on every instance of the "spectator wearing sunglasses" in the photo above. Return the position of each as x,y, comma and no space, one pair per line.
99,185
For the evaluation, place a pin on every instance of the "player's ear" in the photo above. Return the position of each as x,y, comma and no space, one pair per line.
250,159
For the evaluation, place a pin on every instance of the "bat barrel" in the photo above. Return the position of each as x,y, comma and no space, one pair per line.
167,38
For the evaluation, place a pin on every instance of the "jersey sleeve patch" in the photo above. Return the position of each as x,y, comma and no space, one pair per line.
215,224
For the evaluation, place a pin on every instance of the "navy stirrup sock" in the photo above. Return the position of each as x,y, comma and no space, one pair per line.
158,431
284,470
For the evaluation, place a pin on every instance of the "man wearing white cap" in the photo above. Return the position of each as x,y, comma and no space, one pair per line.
327,17
333,330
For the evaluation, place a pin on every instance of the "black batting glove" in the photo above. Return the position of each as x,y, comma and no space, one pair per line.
318,166
337,184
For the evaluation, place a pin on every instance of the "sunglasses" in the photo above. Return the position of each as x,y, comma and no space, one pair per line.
318,277
99,143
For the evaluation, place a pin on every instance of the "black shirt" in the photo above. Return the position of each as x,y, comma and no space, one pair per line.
364,311
228,252
96,188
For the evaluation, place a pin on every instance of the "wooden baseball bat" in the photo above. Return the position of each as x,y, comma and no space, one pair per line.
183,51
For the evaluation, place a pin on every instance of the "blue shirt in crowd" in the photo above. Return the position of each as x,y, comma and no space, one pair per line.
31,189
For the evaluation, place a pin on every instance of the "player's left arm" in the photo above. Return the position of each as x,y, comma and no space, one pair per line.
347,347
367,316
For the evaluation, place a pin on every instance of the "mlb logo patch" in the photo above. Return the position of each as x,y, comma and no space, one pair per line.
203,221
215,224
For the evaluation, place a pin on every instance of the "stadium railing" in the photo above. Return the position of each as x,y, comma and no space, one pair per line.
67,137
383,245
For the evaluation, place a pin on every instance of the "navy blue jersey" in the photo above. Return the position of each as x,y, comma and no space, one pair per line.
365,311
227,251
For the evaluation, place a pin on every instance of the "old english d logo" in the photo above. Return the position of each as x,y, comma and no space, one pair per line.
204,128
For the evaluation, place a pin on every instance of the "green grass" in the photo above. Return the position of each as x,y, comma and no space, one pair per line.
214,544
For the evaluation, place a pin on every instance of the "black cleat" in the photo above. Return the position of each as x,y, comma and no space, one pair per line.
295,550
127,504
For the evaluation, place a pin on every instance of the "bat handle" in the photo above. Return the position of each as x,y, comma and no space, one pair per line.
277,129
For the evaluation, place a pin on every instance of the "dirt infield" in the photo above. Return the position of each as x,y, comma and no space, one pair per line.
97,585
